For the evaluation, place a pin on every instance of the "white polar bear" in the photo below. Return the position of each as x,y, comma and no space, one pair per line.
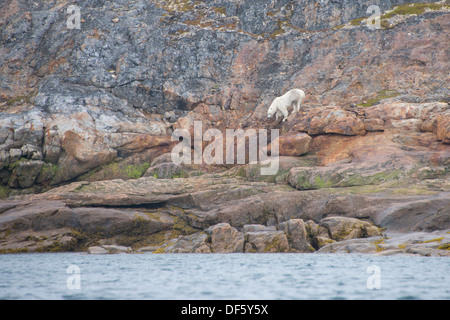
280,105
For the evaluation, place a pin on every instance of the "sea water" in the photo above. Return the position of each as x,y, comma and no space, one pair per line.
223,276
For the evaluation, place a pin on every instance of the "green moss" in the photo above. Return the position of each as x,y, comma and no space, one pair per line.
182,174
4,192
21,99
413,191
221,10
276,245
338,27
404,9
319,183
409,9
14,164
59,247
48,171
20,250
343,232
182,227
445,246
357,22
413,8
278,31
385,24
58,173
116,170
383,94
136,171
433,240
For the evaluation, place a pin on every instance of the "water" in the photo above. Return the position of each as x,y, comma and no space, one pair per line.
222,276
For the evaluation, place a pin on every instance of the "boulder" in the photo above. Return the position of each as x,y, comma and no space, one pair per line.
194,243
297,235
294,144
116,249
25,173
330,119
97,250
343,228
443,127
317,235
225,239
266,241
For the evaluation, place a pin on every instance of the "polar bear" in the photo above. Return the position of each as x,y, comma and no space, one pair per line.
280,105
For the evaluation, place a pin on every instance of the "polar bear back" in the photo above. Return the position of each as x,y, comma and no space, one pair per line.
294,95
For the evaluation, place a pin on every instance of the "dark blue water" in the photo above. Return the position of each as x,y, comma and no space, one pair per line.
223,276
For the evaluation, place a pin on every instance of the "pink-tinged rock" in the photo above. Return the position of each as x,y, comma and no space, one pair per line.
294,144
330,119
443,128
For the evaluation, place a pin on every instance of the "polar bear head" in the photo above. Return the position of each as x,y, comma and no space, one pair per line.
272,110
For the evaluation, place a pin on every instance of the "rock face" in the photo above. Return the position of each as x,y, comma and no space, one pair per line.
87,116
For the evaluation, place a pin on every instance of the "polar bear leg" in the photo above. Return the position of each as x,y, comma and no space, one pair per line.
297,106
278,114
294,106
284,111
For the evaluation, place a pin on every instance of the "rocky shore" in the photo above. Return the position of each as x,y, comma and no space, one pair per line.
86,117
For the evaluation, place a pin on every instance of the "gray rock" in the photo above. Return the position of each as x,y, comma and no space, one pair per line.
116,249
225,239
257,228
97,250
195,243
15,154
266,241
343,228
296,233
167,170
25,173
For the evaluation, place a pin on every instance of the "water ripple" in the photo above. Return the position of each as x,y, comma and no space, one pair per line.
227,276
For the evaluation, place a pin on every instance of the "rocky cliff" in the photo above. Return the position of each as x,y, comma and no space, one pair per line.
86,117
